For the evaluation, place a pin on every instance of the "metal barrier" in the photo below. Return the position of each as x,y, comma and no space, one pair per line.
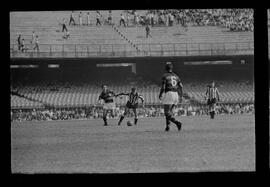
126,50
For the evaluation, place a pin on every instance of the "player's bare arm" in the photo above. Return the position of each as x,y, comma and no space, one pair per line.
206,93
120,94
217,94
142,100
180,91
162,89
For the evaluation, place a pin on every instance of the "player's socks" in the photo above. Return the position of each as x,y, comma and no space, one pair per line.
135,121
177,123
212,114
105,121
121,119
167,123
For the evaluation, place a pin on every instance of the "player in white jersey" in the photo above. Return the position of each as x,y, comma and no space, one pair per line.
212,96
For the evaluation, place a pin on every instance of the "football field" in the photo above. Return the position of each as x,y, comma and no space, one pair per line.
226,143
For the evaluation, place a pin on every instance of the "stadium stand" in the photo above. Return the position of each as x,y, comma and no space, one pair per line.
94,39
20,102
86,94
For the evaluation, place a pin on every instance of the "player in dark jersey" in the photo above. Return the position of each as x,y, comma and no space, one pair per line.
172,87
133,102
109,105
212,95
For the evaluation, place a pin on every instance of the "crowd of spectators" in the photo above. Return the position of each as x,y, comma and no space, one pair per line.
234,19
148,111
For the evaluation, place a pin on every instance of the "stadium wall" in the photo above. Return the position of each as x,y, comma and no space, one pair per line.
150,68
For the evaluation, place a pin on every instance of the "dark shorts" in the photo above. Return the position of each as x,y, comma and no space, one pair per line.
129,105
211,101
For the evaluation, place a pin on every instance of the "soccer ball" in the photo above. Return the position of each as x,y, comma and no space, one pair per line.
129,123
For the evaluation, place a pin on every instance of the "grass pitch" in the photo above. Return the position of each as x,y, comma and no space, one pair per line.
226,143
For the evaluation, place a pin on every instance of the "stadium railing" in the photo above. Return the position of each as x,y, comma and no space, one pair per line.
124,50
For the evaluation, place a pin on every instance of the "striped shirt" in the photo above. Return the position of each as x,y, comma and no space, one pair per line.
212,92
133,98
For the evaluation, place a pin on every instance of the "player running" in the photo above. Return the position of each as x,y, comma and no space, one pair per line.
132,103
109,105
172,87
212,95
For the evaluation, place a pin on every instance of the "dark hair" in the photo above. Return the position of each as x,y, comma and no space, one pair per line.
169,66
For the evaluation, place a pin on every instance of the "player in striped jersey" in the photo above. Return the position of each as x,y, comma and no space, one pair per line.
133,102
109,105
212,95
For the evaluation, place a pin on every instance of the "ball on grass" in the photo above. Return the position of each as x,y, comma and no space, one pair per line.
129,123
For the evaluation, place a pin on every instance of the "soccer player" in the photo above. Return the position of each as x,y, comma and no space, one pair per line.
131,104
109,105
212,95
172,87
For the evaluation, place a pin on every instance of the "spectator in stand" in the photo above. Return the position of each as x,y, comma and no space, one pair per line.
127,19
152,19
80,19
19,42
110,18
66,35
23,47
36,45
64,26
71,19
98,17
33,37
136,18
122,20
148,32
88,19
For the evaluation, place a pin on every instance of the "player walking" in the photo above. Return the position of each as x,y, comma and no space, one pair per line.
132,103
212,95
109,105
172,87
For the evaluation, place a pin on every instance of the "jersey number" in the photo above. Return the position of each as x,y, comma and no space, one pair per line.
173,81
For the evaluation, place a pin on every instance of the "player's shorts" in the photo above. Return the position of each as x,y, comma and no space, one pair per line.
170,98
211,101
132,106
109,106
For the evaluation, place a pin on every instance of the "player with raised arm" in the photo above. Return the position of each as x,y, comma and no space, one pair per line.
172,87
109,105
133,102
212,95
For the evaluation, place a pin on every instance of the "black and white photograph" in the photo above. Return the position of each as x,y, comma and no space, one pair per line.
132,91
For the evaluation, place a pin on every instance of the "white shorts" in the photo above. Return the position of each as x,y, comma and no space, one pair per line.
170,98
109,106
